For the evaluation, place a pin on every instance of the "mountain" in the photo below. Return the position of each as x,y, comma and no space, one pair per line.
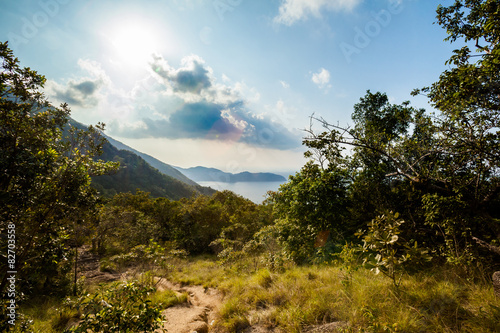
162,167
200,174
136,173
192,175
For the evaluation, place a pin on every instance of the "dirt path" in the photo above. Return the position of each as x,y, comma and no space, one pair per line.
197,315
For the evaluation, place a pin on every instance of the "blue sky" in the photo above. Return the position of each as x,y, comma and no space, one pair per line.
229,84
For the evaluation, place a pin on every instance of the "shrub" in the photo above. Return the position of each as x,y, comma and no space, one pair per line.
123,307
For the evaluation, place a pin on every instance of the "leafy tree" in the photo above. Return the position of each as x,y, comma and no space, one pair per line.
468,98
243,220
45,176
311,202
224,216
192,225
387,252
440,171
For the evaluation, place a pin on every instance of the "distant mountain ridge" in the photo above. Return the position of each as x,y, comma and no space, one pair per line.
162,167
201,174
136,173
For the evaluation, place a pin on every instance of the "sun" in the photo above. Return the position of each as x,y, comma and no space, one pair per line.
133,42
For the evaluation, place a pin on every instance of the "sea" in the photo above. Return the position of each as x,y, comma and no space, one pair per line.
255,191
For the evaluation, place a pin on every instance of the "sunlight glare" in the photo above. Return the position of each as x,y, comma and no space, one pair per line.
133,43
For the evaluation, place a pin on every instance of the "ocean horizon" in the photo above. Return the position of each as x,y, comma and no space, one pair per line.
255,191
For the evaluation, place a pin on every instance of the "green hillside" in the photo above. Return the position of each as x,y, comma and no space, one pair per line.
155,163
136,173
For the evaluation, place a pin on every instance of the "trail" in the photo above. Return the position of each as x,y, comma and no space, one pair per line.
197,315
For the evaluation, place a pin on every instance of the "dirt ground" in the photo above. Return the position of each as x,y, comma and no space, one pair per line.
198,314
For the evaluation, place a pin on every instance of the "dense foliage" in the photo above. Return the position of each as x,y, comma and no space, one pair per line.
192,225
123,307
439,172
45,177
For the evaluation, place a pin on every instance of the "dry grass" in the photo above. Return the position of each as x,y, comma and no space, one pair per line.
303,296
299,297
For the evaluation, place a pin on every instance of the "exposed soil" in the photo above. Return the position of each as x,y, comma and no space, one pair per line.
88,266
198,315
200,312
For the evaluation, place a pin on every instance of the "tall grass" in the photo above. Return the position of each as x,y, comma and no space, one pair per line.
47,315
294,299
299,297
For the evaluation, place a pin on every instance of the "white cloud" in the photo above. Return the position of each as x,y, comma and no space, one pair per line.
85,92
194,81
292,11
285,84
184,102
94,68
322,79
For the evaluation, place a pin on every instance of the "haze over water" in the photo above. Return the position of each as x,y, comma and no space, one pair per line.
254,191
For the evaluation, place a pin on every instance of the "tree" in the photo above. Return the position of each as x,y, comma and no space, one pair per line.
441,170
45,174
468,98
312,202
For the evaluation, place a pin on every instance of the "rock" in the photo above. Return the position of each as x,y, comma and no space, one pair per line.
496,283
198,327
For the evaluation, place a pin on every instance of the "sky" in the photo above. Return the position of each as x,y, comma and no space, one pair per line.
229,84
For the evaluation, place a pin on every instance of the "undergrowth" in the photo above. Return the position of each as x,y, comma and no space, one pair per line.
302,296
295,298
53,315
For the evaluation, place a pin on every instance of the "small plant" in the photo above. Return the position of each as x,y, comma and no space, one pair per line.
348,262
229,253
106,265
123,307
386,251
147,257
265,244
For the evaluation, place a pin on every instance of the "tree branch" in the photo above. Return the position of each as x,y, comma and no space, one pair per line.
487,246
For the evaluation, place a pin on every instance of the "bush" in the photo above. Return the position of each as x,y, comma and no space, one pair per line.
123,307
386,251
